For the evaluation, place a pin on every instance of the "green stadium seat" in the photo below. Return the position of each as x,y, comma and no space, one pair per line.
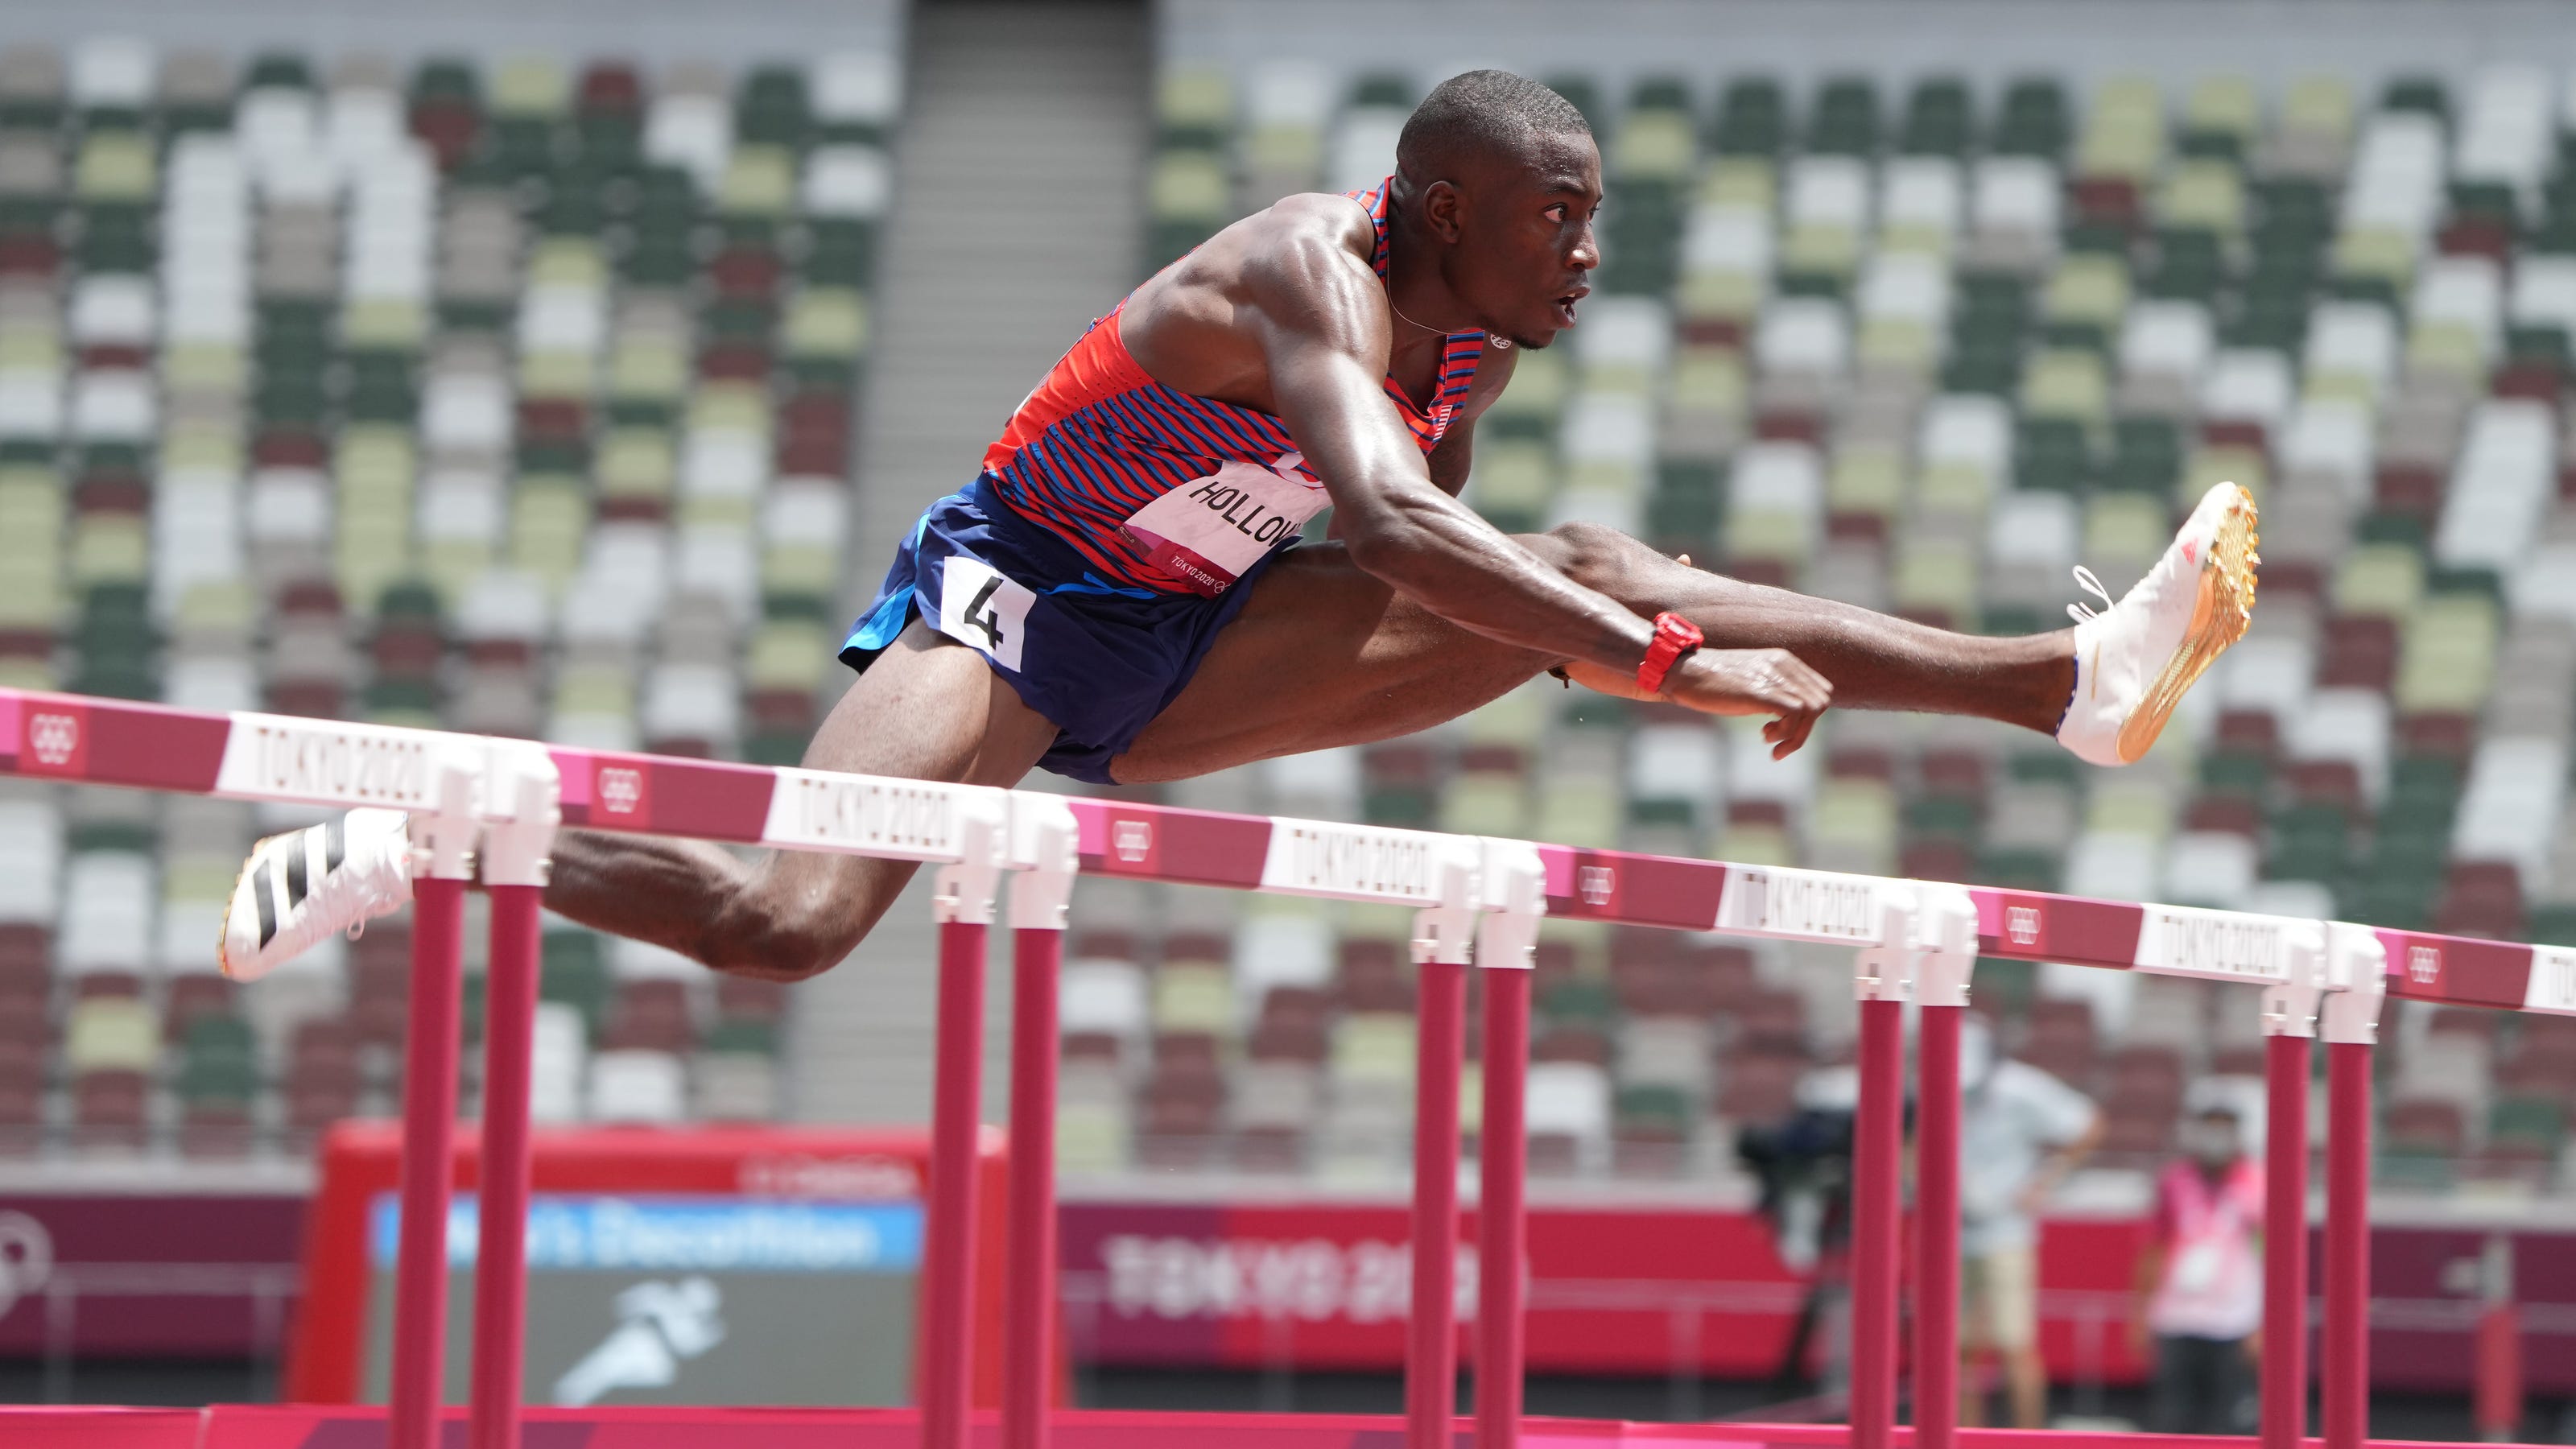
772,109
2541,1121
1384,89
218,1063
742,1035
2417,93
31,88
2554,925
1940,118
2034,120
2052,454
279,69
2414,1165
2011,984
1652,1114
1845,120
1752,118
1579,1001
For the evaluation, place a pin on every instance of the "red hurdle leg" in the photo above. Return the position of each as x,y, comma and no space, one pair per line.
2348,1018
501,1256
2346,1346
521,787
1028,1373
1502,1231
949,1245
1515,897
1431,1351
964,905
2285,1242
1046,852
1936,1230
1876,1167
428,1143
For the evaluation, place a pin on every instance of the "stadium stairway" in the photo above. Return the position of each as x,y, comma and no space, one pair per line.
1021,169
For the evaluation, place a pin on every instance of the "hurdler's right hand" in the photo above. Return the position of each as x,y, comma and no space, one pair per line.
1770,682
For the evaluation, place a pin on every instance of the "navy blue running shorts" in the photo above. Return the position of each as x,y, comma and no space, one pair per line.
1097,659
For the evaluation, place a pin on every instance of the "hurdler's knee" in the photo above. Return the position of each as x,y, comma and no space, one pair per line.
774,949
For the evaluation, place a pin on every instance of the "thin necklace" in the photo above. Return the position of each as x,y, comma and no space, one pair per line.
1398,311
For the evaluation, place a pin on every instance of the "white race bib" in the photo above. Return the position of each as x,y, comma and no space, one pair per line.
1209,531
979,607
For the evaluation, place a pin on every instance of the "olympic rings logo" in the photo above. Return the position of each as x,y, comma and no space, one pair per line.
621,790
1597,883
53,737
1132,839
2021,925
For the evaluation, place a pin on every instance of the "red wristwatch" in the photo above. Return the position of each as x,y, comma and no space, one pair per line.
1675,636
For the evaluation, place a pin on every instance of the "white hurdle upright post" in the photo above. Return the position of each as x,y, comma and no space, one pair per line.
1046,853
443,838
1947,924
1515,888
2356,981
521,809
964,909
1443,937
2289,1025
1883,976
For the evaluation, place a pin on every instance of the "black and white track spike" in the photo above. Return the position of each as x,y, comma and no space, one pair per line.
304,885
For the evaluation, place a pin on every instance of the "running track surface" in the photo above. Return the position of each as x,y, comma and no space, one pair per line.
227,1426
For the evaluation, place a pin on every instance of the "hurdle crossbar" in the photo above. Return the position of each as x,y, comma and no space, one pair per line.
1478,901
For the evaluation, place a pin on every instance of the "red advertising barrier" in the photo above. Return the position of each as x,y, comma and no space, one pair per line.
1612,1290
1315,1284
149,1274
1631,1290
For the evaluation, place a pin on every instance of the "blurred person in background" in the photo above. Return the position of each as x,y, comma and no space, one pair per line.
2200,1281
2021,1132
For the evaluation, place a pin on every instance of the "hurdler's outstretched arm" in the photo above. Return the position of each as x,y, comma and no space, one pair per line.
1323,319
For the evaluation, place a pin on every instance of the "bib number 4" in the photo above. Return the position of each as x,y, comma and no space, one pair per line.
981,608
980,615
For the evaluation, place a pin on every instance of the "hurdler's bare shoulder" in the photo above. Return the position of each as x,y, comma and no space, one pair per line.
1291,235
1300,266
1326,215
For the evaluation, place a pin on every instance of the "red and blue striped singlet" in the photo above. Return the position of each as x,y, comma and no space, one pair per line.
1162,490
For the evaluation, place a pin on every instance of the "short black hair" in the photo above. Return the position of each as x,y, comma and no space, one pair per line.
1480,111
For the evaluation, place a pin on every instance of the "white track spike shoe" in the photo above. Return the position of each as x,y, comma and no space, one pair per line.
2134,659
304,885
